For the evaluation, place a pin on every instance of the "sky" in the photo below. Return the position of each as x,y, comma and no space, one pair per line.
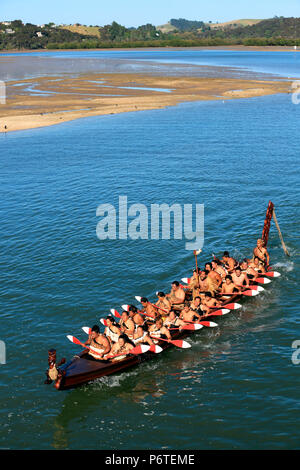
138,12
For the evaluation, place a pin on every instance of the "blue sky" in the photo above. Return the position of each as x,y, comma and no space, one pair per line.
137,12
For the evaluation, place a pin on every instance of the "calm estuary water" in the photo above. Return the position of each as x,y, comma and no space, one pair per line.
236,387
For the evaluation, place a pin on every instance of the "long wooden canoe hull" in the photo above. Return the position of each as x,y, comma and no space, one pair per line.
83,368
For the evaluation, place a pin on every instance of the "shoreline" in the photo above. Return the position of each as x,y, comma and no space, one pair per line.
162,48
47,101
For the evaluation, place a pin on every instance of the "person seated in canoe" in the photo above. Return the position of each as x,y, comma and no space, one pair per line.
228,262
246,268
112,331
257,265
158,330
135,316
228,288
187,315
194,284
210,302
217,267
199,307
123,345
240,279
126,324
98,343
261,252
214,279
176,296
148,309
141,336
173,321
163,304
203,285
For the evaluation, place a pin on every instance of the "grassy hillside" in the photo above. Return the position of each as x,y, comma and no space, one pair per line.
166,28
233,23
84,30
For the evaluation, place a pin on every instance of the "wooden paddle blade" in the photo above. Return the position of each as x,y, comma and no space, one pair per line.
73,339
233,306
180,343
140,349
272,274
125,307
209,324
262,280
138,298
103,322
155,349
87,330
250,293
192,327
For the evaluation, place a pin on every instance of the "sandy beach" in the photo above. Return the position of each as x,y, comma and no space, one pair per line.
45,101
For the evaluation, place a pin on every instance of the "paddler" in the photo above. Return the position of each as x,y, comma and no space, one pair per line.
240,279
173,321
209,301
98,343
228,262
199,306
148,309
123,345
135,316
251,273
214,279
158,330
112,332
257,265
163,304
176,296
261,252
228,287
217,267
126,324
141,336
187,315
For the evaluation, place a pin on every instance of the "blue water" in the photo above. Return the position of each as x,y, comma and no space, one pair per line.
236,387
285,64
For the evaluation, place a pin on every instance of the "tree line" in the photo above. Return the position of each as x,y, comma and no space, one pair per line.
272,32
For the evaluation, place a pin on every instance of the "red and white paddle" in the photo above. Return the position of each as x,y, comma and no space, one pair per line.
103,321
231,306
186,280
258,288
272,274
87,330
180,343
250,293
115,313
140,349
262,280
155,349
138,298
74,340
192,327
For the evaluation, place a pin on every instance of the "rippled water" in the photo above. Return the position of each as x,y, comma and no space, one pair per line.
236,387
203,62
